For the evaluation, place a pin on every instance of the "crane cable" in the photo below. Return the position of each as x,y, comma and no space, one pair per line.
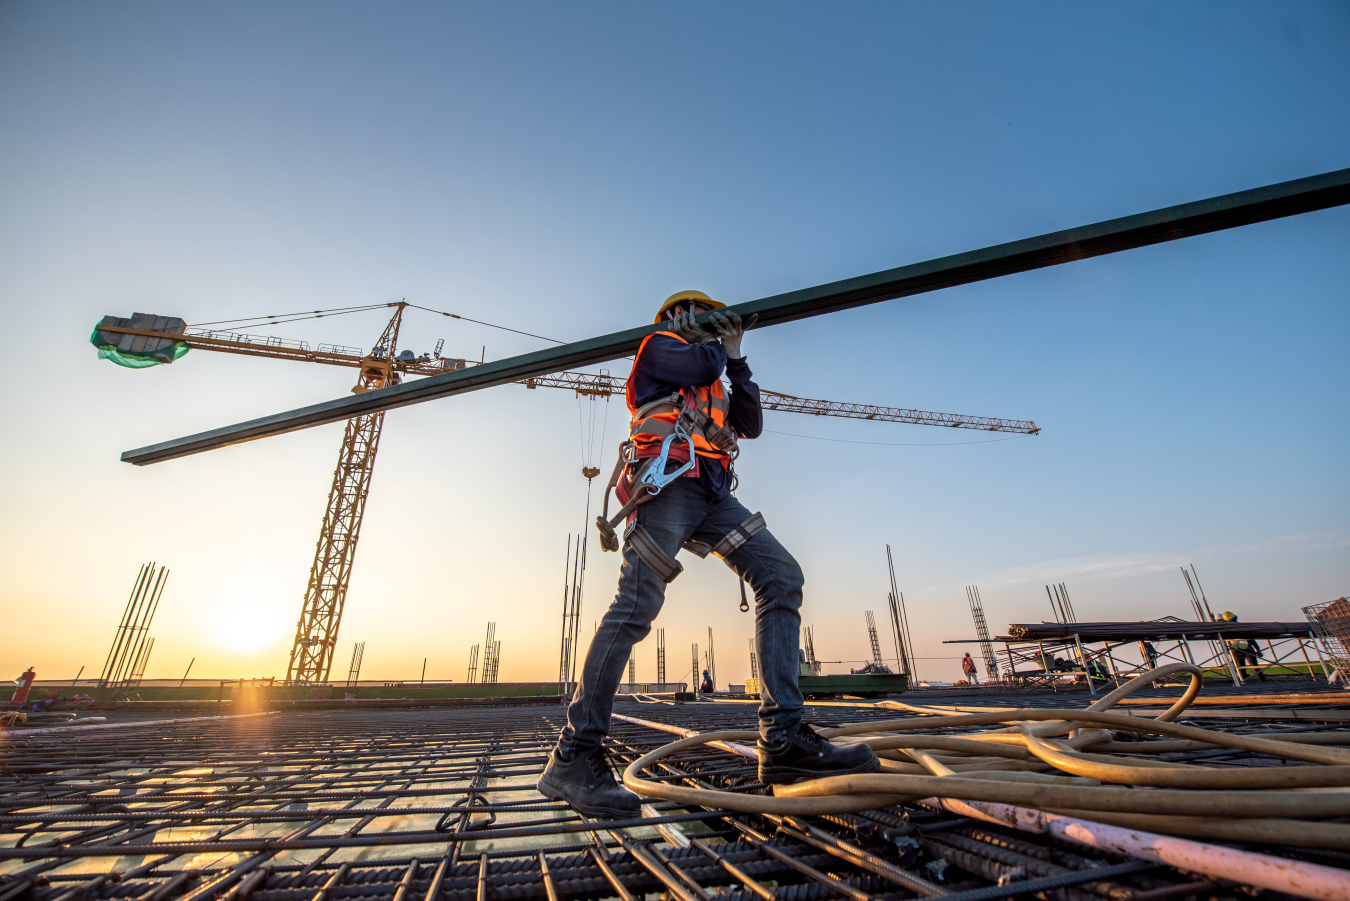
282,318
277,318
1266,804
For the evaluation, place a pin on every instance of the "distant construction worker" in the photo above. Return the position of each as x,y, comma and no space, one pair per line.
674,478
1150,655
706,686
968,667
1246,652
1097,671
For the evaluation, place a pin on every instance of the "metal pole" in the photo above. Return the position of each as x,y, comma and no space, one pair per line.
1204,599
1304,649
1082,659
1186,652
1232,661
1200,217
1320,659
114,653
1115,674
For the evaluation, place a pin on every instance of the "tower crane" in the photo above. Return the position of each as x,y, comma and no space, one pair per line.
145,339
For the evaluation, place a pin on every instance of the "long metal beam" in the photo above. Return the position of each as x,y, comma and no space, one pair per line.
1200,217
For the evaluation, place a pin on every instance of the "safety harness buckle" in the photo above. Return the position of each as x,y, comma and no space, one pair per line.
656,477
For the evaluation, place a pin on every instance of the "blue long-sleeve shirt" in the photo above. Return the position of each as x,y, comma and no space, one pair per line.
666,365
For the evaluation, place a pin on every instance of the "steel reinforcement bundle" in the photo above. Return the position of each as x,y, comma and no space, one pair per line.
1089,775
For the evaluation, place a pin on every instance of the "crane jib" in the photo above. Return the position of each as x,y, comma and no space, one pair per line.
1200,217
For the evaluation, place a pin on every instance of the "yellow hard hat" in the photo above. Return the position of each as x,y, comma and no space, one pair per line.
698,297
1230,616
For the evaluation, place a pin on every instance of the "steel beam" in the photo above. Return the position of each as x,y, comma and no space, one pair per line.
1201,217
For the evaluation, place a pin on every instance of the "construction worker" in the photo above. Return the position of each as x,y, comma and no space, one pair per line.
968,667
1246,652
706,686
1096,670
684,420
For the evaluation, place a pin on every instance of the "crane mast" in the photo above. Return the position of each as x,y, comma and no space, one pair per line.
321,615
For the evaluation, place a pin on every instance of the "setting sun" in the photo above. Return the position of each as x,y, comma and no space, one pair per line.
249,625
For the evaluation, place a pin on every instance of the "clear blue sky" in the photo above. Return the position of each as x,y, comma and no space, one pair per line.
562,168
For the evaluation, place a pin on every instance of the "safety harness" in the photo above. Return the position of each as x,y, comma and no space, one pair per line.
688,424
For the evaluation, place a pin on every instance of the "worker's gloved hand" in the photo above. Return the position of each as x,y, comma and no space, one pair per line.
689,330
730,329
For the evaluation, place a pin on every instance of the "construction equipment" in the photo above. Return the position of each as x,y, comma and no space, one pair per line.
571,619
1060,604
660,655
131,645
904,647
472,677
872,637
711,660
809,648
1331,624
492,654
354,671
25,685
144,339
982,632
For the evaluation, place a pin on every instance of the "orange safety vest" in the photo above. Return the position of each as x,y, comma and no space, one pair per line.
652,422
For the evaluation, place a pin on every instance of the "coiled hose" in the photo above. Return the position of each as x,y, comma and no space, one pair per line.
1028,761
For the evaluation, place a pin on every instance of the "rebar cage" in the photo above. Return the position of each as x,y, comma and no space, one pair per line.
440,804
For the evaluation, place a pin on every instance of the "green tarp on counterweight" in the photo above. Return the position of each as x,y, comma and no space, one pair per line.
138,361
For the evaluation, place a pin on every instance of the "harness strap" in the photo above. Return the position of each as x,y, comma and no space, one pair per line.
691,419
609,541
673,399
650,553
697,547
739,535
609,538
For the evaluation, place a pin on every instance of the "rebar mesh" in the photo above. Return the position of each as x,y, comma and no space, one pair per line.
440,804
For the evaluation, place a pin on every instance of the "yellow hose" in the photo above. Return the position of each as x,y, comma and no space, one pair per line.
1021,761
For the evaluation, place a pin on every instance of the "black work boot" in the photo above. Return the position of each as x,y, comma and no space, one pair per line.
803,754
587,783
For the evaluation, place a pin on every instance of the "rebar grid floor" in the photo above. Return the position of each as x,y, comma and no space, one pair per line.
440,805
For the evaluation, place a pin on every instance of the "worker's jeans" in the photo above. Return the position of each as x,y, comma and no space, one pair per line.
683,511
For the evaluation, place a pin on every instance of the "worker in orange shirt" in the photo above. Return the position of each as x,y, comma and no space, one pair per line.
968,667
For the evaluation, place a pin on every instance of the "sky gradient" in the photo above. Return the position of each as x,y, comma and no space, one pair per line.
561,169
